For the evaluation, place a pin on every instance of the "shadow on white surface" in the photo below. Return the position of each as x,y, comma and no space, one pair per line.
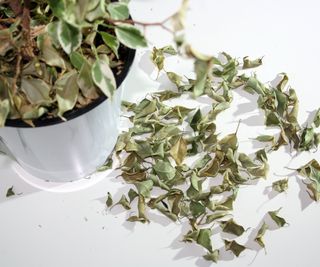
305,199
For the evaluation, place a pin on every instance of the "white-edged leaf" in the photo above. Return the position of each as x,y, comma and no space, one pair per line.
36,90
70,37
4,111
118,10
103,77
32,112
67,92
130,36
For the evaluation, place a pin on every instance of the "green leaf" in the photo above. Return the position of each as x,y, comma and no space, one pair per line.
77,60
10,192
109,201
96,10
277,219
57,7
164,170
111,41
4,111
197,209
118,10
67,92
204,239
70,37
202,70
144,188
196,120
232,227
235,247
130,36
103,77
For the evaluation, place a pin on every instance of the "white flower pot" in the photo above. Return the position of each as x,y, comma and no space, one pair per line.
63,151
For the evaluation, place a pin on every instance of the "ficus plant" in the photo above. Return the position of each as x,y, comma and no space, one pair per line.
57,56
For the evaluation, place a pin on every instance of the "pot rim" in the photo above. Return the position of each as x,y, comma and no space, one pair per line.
72,114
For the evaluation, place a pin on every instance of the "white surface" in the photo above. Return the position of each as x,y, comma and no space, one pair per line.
46,229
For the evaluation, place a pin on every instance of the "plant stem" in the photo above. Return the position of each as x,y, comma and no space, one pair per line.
144,24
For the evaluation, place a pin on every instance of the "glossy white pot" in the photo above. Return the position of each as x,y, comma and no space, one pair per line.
61,151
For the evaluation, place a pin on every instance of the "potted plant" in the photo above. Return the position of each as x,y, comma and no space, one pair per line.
60,65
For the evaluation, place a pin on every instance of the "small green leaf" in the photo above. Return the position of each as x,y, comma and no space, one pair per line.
111,41
118,10
130,36
197,209
103,77
202,70
204,239
77,60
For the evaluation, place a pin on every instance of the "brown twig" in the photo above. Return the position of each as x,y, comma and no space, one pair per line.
144,24
17,74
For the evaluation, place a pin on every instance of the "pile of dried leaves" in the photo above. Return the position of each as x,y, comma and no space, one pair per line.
155,152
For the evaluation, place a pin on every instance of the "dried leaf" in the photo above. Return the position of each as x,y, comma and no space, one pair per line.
280,185
179,151
109,201
10,192
260,234
212,256
277,219
235,247
232,227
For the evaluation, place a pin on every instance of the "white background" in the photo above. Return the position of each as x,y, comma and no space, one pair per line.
40,228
